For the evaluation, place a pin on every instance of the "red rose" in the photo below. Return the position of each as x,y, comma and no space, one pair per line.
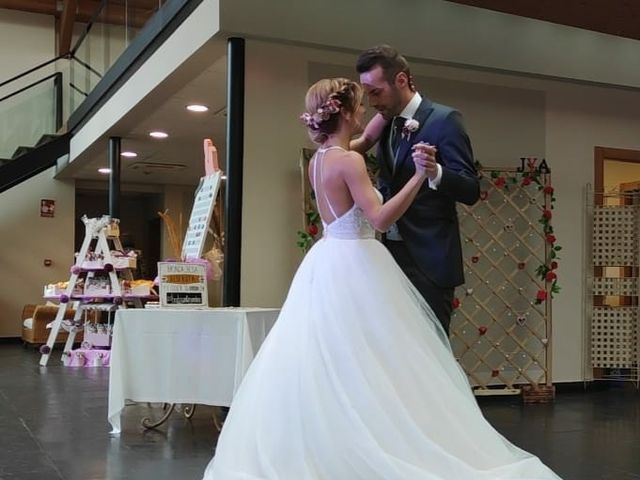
482,330
550,276
455,303
548,190
526,181
483,195
521,265
551,238
475,259
541,296
312,230
495,373
546,213
554,265
500,182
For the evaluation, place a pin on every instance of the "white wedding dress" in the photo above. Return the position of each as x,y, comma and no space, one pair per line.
356,381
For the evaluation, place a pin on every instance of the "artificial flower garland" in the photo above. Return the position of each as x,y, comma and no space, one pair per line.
547,270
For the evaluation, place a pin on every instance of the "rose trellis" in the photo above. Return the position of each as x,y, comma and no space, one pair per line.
501,325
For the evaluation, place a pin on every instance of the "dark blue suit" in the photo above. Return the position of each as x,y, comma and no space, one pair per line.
431,251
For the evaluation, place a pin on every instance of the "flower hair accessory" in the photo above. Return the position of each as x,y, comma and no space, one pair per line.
323,113
410,125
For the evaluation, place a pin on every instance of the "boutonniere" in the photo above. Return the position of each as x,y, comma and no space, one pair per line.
410,125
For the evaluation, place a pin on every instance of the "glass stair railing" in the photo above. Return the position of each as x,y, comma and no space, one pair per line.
35,105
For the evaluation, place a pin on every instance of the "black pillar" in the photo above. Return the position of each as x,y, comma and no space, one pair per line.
114,177
233,199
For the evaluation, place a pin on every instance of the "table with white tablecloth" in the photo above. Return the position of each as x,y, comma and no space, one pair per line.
183,356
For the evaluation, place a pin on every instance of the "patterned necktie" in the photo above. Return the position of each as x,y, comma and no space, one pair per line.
396,135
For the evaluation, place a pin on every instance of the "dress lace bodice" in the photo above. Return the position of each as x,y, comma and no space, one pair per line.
352,224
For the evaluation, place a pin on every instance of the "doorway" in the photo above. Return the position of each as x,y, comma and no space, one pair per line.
613,273
140,225
614,167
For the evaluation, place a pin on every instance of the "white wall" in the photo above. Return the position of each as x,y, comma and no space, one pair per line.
27,239
33,33
441,31
507,116
24,117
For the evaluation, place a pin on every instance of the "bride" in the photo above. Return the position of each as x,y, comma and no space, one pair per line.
356,380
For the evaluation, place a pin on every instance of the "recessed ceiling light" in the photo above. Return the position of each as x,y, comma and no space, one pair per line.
197,108
158,134
129,154
104,171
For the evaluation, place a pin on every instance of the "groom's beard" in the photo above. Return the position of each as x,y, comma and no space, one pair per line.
392,108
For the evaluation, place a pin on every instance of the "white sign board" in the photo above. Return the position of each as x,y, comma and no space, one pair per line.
201,213
182,284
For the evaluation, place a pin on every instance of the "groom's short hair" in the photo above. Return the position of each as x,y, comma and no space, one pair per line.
388,58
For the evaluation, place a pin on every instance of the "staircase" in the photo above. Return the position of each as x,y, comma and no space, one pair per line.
31,131
28,161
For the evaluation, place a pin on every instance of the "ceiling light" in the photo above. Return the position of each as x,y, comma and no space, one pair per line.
158,134
104,171
129,154
197,108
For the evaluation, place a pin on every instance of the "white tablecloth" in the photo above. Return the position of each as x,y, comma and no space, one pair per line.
183,356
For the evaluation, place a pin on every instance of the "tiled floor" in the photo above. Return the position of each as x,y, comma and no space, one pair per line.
53,426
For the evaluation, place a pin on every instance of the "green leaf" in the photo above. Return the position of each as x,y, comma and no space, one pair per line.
557,248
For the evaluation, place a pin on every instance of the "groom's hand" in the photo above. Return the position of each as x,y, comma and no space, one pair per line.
424,155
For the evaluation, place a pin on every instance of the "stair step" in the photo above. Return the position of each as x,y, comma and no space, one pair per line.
21,150
46,138
32,161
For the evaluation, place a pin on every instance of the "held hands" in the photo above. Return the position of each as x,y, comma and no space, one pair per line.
424,157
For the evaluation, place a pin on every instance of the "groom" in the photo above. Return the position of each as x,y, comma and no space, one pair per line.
426,240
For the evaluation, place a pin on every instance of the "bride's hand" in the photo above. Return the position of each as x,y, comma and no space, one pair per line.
424,158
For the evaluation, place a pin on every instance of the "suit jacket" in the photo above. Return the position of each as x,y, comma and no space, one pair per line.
430,227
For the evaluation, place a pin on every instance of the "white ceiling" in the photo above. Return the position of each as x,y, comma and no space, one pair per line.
202,81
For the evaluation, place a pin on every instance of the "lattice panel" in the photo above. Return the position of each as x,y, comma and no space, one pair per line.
614,342
615,235
614,286
499,332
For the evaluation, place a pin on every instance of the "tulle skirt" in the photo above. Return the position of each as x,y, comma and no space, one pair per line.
356,381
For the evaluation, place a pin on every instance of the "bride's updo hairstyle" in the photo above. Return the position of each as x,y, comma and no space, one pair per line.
324,101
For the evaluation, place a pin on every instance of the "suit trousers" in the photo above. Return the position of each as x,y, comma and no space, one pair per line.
439,299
